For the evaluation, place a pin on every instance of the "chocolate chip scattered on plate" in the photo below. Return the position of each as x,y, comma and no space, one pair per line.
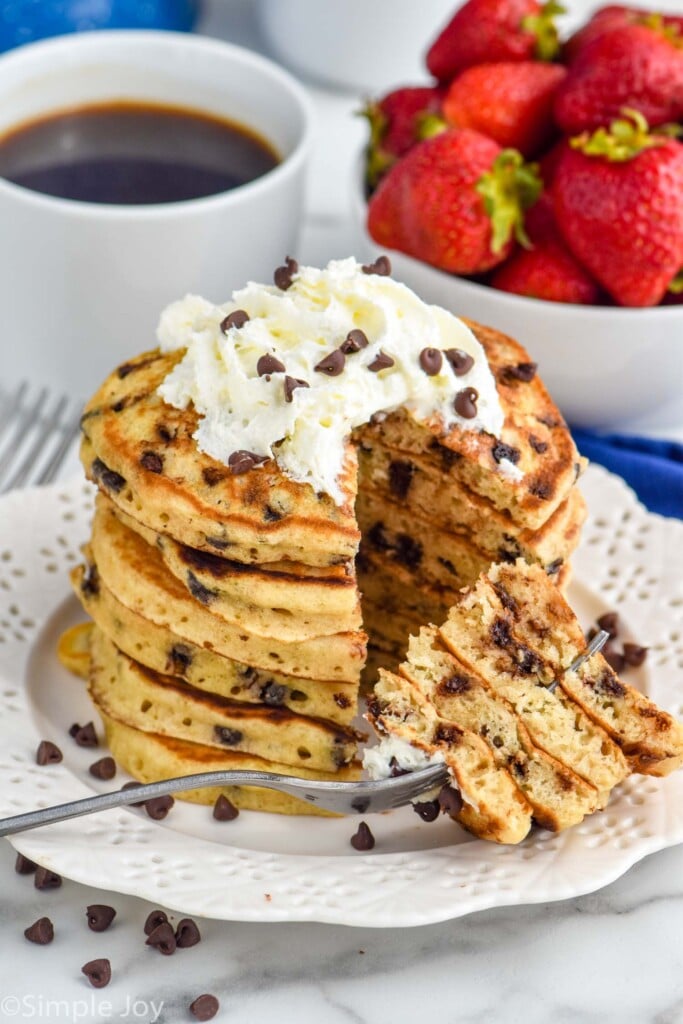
98,972
24,866
187,933
48,753
99,916
163,938
224,809
159,806
154,919
205,1007
104,769
363,839
46,879
41,932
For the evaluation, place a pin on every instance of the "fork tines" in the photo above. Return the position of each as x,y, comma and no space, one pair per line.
36,431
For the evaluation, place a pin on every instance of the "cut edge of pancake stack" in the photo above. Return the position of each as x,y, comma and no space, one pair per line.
474,692
434,514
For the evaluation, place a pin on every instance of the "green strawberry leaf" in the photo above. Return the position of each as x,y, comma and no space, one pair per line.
626,138
543,26
676,286
508,189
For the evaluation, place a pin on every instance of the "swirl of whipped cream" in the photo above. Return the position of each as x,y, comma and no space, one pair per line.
302,416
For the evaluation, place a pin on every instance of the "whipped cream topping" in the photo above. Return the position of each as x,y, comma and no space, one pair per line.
393,752
301,405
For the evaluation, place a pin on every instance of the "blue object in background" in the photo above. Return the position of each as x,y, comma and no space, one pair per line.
23,21
654,469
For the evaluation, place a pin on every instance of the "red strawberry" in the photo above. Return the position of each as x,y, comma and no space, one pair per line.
455,201
619,205
482,31
512,103
547,163
547,270
395,125
635,66
615,16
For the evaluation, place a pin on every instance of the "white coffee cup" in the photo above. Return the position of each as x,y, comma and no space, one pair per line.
82,284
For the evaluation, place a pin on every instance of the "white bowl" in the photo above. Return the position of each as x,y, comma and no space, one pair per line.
82,284
604,367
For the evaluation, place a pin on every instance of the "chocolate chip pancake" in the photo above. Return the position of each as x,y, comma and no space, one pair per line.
156,647
151,702
149,757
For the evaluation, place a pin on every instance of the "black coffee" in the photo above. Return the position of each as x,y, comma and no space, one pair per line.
132,153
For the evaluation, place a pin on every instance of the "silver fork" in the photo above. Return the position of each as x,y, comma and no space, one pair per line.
339,797
35,436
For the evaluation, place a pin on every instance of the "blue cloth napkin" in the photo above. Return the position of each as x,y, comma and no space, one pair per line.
654,469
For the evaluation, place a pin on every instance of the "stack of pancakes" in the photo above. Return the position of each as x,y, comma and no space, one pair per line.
475,693
436,512
227,599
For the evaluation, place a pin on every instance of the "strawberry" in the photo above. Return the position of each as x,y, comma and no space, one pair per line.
547,163
455,201
635,66
510,102
482,31
547,270
615,16
619,204
395,125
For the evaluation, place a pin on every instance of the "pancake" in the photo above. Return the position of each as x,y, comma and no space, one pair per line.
135,574
156,647
652,740
142,453
558,796
152,702
149,757
493,807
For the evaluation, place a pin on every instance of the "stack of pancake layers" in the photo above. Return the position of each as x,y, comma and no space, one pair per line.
477,693
227,604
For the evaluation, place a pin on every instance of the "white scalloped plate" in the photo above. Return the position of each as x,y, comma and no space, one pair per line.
272,868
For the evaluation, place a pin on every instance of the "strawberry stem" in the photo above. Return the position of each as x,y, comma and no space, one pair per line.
508,189
626,138
543,26
676,286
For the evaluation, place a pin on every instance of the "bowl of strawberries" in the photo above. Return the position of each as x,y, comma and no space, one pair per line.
536,185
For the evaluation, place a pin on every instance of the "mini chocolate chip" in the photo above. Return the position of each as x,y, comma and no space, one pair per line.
554,567
377,537
165,433
450,801
154,919
446,734
408,551
465,403
610,623
401,475
428,810
634,655
381,362
284,275
238,318
48,753
242,461
363,839
381,266
85,735
205,1007
133,785
187,934
269,364
333,364
274,694
502,451
455,684
198,590
90,585
230,737
291,384
24,866
98,972
162,938
541,489
538,445
107,477
46,879
608,683
355,340
448,565
500,633
159,806
615,660
522,371
152,461
213,475
99,916
431,361
104,769
179,659
395,770
119,406
75,728
341,700
224,809
41,931
461,362
271,515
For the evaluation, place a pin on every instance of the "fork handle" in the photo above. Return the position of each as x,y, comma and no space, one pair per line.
147,791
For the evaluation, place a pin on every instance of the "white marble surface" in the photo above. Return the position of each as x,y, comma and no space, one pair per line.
616,955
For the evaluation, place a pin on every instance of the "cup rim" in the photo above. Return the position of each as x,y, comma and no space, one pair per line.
114,38
559,309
